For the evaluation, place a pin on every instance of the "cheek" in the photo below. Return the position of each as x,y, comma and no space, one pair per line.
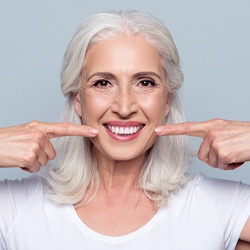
93,107
155,108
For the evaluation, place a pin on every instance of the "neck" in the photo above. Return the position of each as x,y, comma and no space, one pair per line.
119,175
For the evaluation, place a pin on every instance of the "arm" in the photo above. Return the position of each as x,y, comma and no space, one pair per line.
28,146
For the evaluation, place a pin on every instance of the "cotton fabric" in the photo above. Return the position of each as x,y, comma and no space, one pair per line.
206,214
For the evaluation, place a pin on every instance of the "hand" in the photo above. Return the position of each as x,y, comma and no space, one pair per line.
28,146
226,144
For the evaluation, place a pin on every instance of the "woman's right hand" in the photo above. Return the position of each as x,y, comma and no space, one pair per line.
28,146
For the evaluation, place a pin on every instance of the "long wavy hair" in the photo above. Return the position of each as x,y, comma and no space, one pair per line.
75,171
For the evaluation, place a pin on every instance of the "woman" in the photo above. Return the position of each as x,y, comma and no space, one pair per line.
122,186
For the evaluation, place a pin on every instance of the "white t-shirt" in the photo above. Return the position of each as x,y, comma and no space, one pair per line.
206,214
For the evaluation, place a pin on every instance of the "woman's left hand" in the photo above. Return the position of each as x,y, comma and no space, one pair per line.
226,144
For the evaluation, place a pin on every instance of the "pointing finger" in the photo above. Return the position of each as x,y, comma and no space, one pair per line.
54,130
197,129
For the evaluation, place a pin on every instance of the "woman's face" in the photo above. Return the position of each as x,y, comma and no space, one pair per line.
123,95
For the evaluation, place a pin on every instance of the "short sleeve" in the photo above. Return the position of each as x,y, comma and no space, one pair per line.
231,201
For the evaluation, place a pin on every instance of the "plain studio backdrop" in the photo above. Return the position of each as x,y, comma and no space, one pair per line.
213,39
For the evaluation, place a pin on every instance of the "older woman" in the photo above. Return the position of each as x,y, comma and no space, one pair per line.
118,182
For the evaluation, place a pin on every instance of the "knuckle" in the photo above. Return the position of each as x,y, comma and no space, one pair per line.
200,156
226,158
186,127
222,154
43,162
52,155
34,169
38,136
219,121
65,127
34,131
216,120
29,159
33,123
216,144
34,147
218,124
212,137
212,162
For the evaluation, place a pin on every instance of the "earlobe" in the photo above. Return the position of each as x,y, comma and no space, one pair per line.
77,103
168,104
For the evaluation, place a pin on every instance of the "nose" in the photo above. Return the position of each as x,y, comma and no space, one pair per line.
124,103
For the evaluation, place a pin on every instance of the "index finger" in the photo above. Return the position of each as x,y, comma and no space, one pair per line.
197,129
54,130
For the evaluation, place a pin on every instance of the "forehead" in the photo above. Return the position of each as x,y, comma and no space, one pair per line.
123,53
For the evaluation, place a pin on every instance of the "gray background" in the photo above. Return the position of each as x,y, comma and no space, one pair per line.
213,38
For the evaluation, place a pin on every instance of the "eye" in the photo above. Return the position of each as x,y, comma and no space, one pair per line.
102,83
147,83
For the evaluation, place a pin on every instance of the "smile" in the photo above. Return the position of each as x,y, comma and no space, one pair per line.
124,130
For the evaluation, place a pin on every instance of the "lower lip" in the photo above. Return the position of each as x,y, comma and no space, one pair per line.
123,138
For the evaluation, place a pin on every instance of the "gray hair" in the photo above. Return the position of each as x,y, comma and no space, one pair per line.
75,171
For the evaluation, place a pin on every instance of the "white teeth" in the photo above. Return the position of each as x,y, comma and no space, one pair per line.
124,130
116,130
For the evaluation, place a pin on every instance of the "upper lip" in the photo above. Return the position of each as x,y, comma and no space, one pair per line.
124,124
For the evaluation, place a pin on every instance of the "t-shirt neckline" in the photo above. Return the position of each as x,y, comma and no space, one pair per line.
87,230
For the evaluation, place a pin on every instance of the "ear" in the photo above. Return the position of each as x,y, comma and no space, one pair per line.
168,104
77,103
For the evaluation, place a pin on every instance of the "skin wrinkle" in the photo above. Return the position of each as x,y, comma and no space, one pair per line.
121,98
84,89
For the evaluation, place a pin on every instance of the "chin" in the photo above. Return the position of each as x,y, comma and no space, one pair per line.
126,155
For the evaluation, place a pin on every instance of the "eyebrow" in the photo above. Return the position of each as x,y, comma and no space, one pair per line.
109,75
146,73
103,75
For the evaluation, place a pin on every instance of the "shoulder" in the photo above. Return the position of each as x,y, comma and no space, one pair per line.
221,205
23,187
229,200
31,180
217,190
217,195
202,183
16,193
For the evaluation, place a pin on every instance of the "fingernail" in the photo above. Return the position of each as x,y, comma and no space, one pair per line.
159,130
93,131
